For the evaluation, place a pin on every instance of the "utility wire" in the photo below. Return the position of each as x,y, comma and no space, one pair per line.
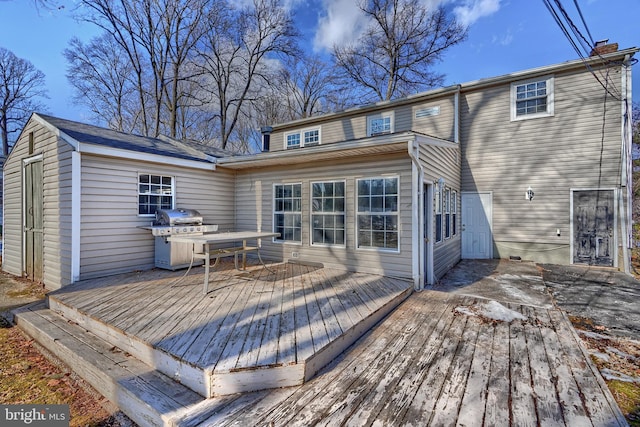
593,43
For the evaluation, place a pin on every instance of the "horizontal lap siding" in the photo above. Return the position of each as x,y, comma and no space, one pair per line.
444,163
110,239
56,165
351,127
550,154
254,196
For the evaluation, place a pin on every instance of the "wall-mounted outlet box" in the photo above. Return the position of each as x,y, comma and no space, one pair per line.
294,254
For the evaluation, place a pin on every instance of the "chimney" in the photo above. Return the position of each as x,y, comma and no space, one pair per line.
603,47
266,137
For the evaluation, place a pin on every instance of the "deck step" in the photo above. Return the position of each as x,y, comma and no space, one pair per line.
147,396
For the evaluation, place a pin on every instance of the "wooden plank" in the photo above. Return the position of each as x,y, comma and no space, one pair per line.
287,336
361,408
547,405
335,309
319,334
567,390
304,340
268,352
597,399
523,407
497,411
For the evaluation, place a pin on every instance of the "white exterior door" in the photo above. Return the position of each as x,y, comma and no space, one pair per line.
477,241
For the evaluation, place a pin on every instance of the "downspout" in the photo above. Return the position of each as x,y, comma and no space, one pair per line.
417,212
456,115
626,177
76,222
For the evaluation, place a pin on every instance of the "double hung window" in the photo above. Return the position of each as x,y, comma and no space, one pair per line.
380,124
328,213
302,138
532,98
287,212
378,213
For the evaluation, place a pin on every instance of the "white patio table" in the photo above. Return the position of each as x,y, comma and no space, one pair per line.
208,240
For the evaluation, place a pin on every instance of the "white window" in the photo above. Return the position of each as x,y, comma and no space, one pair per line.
438,209
380,124
302,138
454,211
378,215
532,98
328,213
447,213
154,192
287,212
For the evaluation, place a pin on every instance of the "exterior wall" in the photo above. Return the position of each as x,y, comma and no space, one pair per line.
440,162
254,207
570,149
110,240
56,204
353,126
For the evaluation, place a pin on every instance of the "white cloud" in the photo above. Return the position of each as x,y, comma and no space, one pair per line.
341,23
472,10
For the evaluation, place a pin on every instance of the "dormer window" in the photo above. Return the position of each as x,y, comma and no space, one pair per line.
380,124
302,138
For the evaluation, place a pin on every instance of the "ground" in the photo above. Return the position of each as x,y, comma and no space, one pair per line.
27,376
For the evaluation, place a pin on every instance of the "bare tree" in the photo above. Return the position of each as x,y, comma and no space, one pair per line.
100,73
157,37
21,84
396,53
234,61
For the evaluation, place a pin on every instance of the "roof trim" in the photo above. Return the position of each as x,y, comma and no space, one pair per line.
394,143
468,86
101,150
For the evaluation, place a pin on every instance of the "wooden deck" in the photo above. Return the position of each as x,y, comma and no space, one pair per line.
429,364
256,329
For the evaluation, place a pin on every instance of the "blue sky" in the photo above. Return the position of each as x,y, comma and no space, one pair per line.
504,36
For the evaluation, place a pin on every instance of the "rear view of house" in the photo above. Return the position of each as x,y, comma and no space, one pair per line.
534,165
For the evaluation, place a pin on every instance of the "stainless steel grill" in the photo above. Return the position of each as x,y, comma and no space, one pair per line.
174,255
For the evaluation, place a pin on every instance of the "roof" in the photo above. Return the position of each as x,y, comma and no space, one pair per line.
468,86
83,134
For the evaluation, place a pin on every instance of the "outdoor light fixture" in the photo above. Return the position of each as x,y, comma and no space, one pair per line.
441,183
529,194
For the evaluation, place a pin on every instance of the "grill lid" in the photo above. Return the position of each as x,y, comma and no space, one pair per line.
178,217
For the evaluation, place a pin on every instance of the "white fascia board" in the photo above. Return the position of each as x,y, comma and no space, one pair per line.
139,156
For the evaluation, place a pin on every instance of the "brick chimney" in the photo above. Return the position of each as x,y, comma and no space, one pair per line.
603,47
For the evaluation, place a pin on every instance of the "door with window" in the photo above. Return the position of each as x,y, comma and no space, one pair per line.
33,221
593,225
477,240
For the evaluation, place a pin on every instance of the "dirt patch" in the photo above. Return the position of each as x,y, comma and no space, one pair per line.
28,375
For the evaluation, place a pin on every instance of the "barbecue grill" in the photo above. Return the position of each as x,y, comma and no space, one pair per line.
168,222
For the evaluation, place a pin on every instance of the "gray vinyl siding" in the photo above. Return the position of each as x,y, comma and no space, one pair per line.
254,198
570,149
110,239
354,126
56,205
441,162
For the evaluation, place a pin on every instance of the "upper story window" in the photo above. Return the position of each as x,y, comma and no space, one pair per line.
380,124
302,138
154,192
532,98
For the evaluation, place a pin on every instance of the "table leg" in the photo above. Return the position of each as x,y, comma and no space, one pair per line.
207,260
244,255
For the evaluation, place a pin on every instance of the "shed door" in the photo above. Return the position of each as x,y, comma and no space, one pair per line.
33,221
477,240
593,216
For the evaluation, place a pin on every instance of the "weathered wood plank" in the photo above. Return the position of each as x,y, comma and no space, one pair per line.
497,410
523,407
304,340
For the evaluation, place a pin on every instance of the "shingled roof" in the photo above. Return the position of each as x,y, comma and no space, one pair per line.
163,146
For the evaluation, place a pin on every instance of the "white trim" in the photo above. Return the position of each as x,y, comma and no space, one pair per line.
301,135
417,217
550,81
489,216
76,218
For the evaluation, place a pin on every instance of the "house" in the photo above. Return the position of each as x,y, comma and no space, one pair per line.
532,165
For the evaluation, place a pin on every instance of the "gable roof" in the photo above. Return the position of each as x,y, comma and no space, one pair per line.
98,140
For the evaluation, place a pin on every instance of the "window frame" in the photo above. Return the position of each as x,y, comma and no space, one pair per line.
334,212
447,213
275,212
302,136
437,216
549,81
150,193
372,213
381,116
454,213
